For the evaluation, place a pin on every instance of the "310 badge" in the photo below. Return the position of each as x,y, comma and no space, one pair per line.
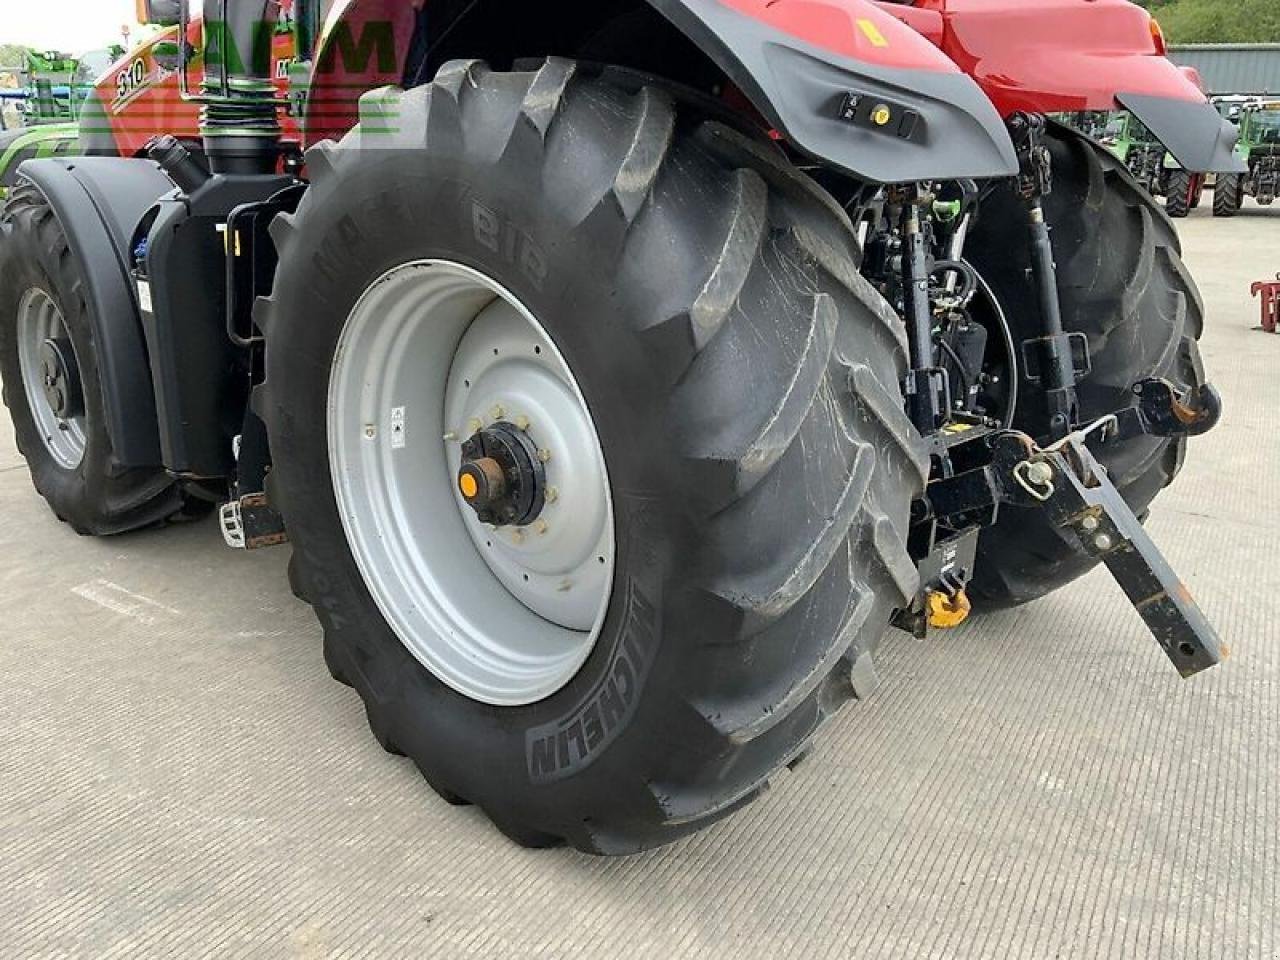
132,79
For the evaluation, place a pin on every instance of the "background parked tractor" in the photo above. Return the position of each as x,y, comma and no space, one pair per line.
57,84
1230,105
619,372
1145,156
1259,123
1138,149
54,89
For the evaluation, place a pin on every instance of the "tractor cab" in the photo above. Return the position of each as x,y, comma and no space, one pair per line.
1260,124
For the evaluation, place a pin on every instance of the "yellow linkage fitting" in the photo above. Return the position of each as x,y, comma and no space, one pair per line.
947,612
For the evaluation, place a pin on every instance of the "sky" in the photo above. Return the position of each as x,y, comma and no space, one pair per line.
70,26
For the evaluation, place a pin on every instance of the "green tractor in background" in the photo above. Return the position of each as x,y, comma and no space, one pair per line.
1138,148
1151,164
1260,147
58,83
49,79
55,87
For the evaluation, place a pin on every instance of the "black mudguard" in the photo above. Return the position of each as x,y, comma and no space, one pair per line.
950,128
99,202
1199,137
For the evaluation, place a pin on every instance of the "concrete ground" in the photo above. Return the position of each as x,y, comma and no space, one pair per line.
180,777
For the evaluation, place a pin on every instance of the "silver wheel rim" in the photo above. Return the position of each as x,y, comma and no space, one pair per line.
431,352
39,319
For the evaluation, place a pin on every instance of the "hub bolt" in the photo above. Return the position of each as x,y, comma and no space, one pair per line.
1089,524
1103,542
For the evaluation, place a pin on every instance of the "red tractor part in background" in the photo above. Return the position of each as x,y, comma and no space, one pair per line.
1270,293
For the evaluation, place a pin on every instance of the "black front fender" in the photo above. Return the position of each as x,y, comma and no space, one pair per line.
99,202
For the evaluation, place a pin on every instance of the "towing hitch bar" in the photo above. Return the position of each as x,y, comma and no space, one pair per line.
1066,480
1080,498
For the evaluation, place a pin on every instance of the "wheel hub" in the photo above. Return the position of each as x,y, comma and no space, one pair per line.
501,477
51,378
61,378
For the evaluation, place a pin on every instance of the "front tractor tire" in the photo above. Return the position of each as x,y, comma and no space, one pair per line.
48,360
1228,195
736,386
1181,194
1122,283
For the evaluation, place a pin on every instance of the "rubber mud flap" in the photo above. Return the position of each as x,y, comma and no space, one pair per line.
1199,137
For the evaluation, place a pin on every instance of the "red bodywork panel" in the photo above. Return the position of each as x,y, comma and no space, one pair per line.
859,29
1055,56
1041,56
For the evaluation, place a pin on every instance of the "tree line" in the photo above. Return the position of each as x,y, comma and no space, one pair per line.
1218,21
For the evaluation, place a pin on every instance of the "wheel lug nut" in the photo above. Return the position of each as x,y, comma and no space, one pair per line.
544,456
551,494
517,536
474,425
522,423
541,527
498,413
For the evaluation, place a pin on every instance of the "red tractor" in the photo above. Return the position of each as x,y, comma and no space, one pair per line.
621,370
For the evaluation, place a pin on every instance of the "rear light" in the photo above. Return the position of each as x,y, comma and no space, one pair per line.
1157,35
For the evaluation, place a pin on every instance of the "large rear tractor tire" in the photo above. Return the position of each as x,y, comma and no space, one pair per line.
49,364
674,315
1227,197
1122,283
